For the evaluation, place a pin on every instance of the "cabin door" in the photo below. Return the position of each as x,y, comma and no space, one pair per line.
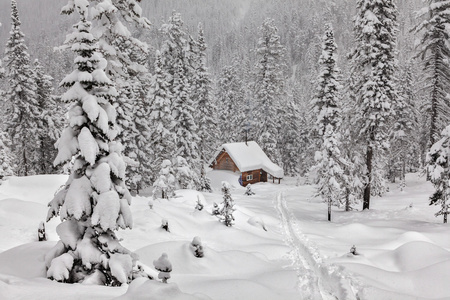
263,176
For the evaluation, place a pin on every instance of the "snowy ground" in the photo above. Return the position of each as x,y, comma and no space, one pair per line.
403,249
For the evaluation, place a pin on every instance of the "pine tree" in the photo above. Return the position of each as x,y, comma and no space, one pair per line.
439,170
269,88
126,56
328,112
50,123
162,139
6,156
230,102
177,65
206,114
95,201
373,68
227,209
434,50
22,114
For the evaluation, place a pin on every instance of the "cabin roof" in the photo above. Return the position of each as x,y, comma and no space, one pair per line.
249,156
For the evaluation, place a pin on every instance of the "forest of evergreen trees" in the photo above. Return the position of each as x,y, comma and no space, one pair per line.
317,83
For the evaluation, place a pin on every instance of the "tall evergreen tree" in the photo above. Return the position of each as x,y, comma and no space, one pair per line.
163,138
178,67
439,169
22,115
328,112
373,68
95,200
230,102
6,156
206,113
269,88
434,50
50,121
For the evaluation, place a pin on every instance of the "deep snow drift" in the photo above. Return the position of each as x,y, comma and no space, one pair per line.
281,246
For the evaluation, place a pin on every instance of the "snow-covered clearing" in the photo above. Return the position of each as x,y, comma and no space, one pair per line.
403,249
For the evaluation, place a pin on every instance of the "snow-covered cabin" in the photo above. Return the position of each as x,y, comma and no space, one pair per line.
248,159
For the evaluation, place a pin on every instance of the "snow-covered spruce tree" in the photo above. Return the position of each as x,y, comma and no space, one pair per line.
290,138
165,183
326,108
50,123
269,88
95,201
178,68
22,114
125,67
373,67
434,50
185,177
162,138
404,128
206,112
227,209
230,101
439,171
6,156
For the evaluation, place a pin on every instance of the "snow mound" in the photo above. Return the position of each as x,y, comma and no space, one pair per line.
144,289
25,261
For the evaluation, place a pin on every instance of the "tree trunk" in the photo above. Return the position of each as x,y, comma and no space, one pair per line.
369,156
347,199
329,210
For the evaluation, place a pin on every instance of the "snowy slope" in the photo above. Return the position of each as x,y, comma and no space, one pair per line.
404,251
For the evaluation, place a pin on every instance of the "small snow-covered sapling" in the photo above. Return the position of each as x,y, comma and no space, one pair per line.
353,250
42,236
197,247
249,191
150,203
215,210
199,205
165,225
164,267
226,212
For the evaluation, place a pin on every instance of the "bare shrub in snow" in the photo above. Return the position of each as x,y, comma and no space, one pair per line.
165,225
164,267
42,236
249,191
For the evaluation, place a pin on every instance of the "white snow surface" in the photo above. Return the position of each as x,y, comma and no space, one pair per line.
404,251
249,156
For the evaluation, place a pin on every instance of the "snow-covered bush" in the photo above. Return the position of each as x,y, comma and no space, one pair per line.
42,236
215,209
164,267
165,225
164,186
249,191
197,247
205,183
150,203
353,250
226,212
199,206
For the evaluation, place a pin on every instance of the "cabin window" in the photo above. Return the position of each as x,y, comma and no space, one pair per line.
226,160
249,177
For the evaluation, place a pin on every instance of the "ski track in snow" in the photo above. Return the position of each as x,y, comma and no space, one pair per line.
316,279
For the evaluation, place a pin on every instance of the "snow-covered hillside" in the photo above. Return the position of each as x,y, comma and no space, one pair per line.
403,249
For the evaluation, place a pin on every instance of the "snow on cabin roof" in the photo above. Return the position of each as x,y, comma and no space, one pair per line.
250,156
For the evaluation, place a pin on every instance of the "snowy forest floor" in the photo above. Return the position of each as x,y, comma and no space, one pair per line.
403,249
